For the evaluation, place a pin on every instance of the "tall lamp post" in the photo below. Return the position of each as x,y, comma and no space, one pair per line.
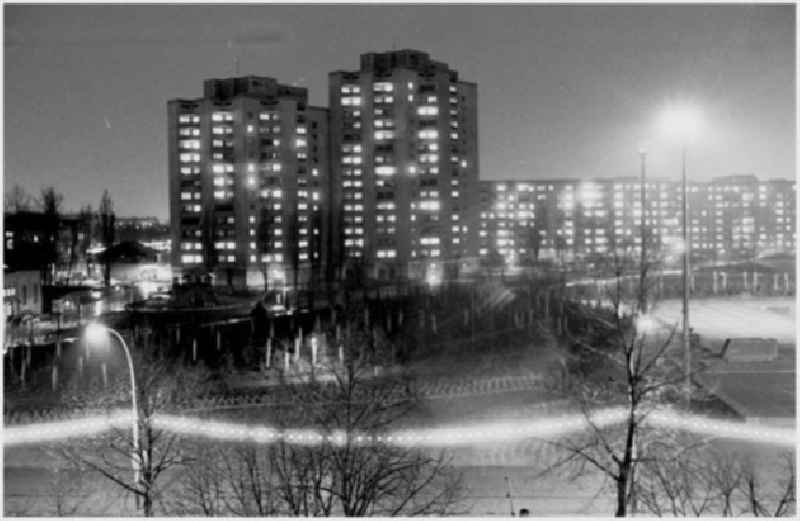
687,275
643,235
97,334
684,122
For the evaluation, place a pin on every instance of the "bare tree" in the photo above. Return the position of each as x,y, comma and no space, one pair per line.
676,477
108,233
80,238
780,500
613,365
341,473
225,481
17,200
683,475
65,489
535,233
376,478
50,203
162,386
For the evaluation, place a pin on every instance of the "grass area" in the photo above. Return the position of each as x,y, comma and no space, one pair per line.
759,395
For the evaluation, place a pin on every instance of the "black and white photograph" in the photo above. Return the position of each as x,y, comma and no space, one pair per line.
399,259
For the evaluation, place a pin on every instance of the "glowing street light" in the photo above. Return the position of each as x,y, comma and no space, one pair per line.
98,334
645,324
683,123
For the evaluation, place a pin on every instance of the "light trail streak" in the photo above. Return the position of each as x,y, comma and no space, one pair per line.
723,429
444,436
59,430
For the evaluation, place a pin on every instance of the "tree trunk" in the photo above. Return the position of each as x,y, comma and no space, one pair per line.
147,504
622,496
107,273
625,469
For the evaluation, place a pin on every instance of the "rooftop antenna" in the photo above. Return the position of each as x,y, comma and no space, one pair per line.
235,58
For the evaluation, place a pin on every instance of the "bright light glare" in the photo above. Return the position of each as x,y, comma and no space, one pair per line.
433,276
96,333
645,324
682,122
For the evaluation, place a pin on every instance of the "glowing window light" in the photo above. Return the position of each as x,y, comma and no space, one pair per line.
428,134
382,87
428,110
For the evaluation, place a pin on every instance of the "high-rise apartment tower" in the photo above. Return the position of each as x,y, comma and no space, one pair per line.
248,176
404,165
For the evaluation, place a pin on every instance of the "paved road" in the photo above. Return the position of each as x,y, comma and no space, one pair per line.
30,481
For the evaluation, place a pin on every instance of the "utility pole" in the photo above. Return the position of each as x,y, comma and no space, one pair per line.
643,237
686,283
508,496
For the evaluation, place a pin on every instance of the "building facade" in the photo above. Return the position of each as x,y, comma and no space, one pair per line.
731,218
248,174
267,190
404,164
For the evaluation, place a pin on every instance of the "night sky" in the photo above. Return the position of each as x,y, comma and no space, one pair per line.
564,91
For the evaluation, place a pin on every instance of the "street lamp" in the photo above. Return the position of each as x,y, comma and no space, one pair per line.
643,235
98,334
683,123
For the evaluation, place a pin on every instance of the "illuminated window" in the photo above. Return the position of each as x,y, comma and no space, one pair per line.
384,134
382,87
429,206
193,144
385,170
428,110
222,116
191,259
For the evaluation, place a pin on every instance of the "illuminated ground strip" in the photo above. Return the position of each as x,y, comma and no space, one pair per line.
447,436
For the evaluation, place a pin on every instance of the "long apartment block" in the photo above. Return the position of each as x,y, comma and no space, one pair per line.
730,218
